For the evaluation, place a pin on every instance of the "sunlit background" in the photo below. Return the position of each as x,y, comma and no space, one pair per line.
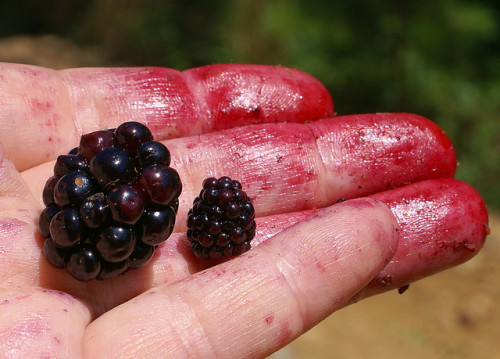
439,59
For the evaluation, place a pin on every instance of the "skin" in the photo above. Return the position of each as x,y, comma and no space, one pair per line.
311,255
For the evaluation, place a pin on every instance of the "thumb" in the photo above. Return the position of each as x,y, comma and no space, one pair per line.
270,295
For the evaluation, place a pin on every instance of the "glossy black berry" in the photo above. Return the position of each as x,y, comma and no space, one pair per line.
84,263
115,244
73,188
112,166
56,256
156,225
130,135
69,163
48,190
153,152
141,255
65,227
45,217
110,270
111,201
222,220
125,203
161,184
93,143
94,210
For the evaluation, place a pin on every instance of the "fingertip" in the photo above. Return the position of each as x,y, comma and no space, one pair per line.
350,242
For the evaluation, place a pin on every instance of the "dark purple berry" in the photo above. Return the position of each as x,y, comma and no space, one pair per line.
73,188
48,190
221,222
94,210
115,244
141,255
125,204
153,152
84,263
112,166
45,217
175,205
130,135
200,251
110,270
233,210
225,183
69,163
157,225
209,195
65,227
225,196
93,143
162,184
109,204
210,182
55,255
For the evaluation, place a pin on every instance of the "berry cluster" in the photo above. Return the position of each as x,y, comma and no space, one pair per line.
221,222
110,203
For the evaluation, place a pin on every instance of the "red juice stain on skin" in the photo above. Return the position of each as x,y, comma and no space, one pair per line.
385,280
29,329
442,224
68,298
239,95
165,98
285,334
257,151
9,228
389,149
487,229
269,319
42,107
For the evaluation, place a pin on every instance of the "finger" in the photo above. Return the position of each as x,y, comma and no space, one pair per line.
432,221
42,324
173,260
443,223
269,296
44,112
292,167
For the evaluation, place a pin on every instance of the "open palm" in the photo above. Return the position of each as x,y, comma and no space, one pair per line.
346,207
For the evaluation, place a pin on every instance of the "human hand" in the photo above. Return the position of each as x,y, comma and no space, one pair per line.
312,255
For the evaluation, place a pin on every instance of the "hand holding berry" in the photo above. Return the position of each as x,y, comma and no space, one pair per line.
310,255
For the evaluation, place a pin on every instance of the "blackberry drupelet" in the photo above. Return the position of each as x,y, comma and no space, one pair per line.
111,201
222,220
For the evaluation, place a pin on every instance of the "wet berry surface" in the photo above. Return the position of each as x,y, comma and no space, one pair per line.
111,201
221,222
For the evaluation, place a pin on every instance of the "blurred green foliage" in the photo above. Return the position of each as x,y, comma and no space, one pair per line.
440,59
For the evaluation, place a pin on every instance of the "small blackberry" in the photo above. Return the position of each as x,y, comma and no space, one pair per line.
221,222
111,201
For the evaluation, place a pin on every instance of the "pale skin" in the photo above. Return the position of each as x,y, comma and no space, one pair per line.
175,307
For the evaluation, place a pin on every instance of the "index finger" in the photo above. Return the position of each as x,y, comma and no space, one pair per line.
44,111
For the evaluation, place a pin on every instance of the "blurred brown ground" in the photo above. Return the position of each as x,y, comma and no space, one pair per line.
452,315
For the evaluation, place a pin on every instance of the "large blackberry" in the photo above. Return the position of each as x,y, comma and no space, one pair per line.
111,201
221,222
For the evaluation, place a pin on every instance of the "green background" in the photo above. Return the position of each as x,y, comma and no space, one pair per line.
439,59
